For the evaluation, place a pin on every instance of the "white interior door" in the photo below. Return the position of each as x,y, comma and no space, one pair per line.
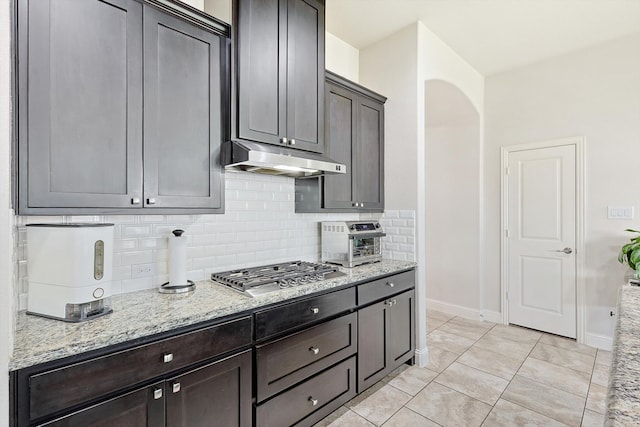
541,239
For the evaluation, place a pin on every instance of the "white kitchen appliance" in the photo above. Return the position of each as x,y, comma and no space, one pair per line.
351,243
69,269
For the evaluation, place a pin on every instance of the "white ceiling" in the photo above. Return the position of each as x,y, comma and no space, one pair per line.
491,35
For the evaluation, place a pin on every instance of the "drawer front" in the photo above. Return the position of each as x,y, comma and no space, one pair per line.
382,288
63,388
297,314
282,363
321,393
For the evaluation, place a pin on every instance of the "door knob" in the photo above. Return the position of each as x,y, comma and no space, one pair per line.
565,250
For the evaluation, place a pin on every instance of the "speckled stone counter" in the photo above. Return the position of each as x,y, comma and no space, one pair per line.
140,314
623,396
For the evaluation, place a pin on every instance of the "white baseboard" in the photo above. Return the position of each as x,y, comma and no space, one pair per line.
422,357
603,342
466,312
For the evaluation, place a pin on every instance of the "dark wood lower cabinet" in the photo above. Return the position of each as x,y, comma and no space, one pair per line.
311,400
218,394
139,408
290,364
385,337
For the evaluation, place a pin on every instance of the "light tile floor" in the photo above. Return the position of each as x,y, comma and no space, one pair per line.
484,374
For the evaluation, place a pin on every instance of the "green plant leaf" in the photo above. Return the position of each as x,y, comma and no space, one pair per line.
634,258
631,230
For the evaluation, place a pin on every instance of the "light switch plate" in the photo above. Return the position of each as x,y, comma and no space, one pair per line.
620,212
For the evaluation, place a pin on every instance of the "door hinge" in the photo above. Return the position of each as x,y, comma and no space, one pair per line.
506,170
507,295
506,232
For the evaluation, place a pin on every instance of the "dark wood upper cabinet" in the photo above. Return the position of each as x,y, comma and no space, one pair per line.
85,70
354,136
80,100
279,74
184,75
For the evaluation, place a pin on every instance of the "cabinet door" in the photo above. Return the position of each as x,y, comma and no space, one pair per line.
340,128
261,54
305,74
143,407
182,113
372,344
368,166
218,394
80,103
385,337
401,329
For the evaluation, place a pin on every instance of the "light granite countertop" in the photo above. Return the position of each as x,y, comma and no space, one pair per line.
623,396
145,313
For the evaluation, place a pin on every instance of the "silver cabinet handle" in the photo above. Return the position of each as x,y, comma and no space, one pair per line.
354,204
314,350
168,357
293,142
151,201
390,284
135,200
157,393
175,388
313,401
362,205
285,140
315,310
565,250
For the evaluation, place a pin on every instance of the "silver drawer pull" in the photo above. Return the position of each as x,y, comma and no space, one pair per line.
292,142
285,140
135,201
390,284
157,393
315,310
167,357
176,387
313,401
151,201
314,350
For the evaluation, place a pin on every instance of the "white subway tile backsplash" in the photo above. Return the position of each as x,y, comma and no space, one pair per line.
259,226
399,243
136,257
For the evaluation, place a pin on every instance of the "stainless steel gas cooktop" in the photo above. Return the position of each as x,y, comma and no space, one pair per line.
269,278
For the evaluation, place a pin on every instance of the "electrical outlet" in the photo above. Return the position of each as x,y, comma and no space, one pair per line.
143,270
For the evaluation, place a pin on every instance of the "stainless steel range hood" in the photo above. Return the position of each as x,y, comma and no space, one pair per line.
273,160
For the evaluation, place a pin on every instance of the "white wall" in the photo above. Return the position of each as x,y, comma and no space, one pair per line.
398,67
6,216
593,93
341,58
452,242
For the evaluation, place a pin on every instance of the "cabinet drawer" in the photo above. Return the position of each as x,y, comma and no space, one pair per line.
382,288
282,363
66,387
320,394
290,316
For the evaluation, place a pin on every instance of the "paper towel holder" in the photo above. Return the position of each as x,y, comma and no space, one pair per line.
189,286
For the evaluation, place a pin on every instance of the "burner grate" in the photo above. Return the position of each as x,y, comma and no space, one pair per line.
275,276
